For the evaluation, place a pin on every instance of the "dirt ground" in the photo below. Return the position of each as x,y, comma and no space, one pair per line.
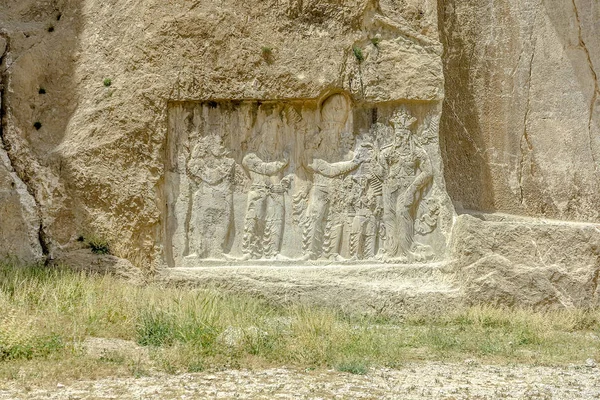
467,380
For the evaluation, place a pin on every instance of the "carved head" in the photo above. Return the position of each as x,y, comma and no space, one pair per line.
402,121
334,112
269,137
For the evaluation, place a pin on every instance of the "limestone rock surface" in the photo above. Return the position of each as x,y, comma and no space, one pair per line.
94,93
85,260
109,70
382,290
19,217
520,131
527,262
19,214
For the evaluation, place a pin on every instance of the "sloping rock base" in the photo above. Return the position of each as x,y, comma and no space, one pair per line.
496,259
536,263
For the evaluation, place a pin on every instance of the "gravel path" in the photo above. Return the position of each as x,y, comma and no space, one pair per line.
467,380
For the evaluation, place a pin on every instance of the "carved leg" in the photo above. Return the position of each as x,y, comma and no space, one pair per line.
226,228
356,237
406,224
253,224
390,243
314,224
370,237
333,236
195,233
274,224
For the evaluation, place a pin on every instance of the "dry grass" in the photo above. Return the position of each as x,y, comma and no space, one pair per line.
48,313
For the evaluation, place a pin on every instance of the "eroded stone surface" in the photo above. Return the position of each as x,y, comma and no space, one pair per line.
19,215
520,131
304,180
527,262
216,133
383,290
466,380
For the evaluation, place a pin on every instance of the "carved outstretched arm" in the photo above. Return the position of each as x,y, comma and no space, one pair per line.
333,169
253,163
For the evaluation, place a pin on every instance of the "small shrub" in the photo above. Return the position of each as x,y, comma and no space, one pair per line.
50,29
267,54
19,340
441,339
107,82
42,90
375,41
37,125
358,53
356,367
98,245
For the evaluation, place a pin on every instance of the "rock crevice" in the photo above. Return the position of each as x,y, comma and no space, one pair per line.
596,91
26,239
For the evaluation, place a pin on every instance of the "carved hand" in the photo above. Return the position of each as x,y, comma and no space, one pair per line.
282,164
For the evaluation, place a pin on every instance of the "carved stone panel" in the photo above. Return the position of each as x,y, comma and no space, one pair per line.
315,181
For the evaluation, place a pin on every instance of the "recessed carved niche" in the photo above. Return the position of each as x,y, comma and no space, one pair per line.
304,181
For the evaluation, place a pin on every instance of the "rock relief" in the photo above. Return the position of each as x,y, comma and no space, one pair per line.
304,181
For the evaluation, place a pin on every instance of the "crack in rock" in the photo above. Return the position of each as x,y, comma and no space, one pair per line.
596,85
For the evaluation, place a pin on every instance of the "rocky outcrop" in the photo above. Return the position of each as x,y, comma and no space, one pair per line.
527,262
104,104
520,131
19,217
95,162
19,214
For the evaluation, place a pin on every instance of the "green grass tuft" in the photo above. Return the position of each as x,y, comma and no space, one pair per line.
358,54
47,313
98,245
155,329
356,367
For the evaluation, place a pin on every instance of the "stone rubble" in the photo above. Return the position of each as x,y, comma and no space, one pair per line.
433,380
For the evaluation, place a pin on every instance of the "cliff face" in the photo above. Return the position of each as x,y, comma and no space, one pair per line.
520,131
104,104
108,71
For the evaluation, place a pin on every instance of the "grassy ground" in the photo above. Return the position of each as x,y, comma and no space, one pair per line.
46,314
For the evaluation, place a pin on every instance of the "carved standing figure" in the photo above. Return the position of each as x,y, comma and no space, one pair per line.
368,206
265,210
324,220
408,171
211,222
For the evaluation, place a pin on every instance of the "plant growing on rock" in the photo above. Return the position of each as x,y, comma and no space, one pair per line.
358,53
97,245
267,54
